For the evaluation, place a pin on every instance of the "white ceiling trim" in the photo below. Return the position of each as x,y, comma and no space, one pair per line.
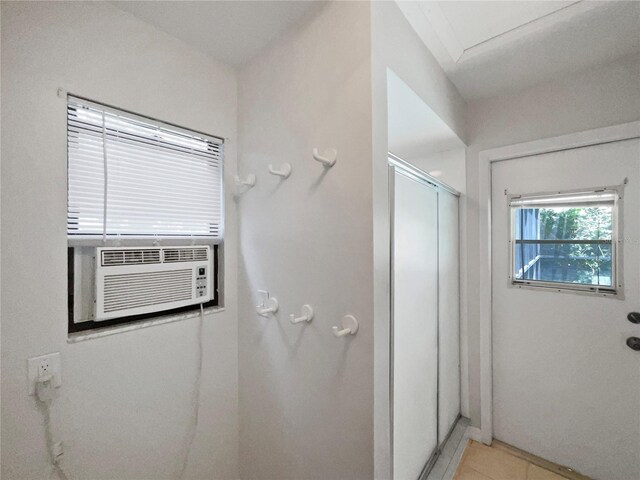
434,29
548,21
497,56
438,20
414,13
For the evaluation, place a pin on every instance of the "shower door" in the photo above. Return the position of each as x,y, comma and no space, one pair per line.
414,344
448,313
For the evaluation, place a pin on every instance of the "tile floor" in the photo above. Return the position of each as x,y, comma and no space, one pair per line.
480,462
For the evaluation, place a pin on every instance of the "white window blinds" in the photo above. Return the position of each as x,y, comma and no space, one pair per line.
134,177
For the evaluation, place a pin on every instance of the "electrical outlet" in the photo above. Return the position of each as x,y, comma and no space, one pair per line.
43,366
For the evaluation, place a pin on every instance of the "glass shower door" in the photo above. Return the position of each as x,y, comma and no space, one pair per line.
414,324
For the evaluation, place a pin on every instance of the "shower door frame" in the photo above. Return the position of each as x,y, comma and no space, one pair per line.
396,163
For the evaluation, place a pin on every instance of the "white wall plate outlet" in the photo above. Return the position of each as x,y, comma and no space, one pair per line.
39,367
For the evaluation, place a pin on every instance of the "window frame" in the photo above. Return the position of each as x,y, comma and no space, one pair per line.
92,241
616,290
96,240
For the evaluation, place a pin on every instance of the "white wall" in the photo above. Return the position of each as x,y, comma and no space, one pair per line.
396,46
598,97
306,398
414,129
448,166
124,408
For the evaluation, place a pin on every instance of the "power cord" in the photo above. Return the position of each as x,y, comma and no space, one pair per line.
44,394
196,398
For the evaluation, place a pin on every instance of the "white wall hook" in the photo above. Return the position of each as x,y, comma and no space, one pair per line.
271,306
284,172
249,182
268,306
307,315
329,158
349,326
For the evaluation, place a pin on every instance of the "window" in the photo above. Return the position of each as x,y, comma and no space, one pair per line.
566,240
133,177
135,181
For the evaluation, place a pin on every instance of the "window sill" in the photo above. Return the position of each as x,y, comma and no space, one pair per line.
565,288
160,320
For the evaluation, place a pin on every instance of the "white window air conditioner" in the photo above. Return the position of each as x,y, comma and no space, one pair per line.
135,281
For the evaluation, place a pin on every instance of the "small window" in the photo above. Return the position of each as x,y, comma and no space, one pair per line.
566,241
135,181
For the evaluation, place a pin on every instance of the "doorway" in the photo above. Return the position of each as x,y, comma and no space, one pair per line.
425,360
566,386
426,177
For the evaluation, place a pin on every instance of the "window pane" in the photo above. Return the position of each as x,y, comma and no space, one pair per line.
558,223
584,263
564,244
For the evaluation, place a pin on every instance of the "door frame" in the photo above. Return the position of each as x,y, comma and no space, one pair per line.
397,164
598,136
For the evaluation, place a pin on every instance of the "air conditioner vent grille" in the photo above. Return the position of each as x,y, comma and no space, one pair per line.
134,290
130,257
172,255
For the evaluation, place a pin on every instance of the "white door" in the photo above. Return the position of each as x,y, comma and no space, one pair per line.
566,386
415,325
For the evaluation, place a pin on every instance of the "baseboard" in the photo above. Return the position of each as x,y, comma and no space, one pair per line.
474,433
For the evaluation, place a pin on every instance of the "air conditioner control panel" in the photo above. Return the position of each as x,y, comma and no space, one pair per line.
201,282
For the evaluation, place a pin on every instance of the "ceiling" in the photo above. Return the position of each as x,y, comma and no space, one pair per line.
496,18
487,48
415,131
492,47
232,32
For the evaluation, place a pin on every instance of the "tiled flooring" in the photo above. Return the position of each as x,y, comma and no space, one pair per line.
480,462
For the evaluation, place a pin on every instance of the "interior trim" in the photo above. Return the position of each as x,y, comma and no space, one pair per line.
598,136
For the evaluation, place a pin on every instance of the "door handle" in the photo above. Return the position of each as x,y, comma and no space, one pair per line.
634,343
634,317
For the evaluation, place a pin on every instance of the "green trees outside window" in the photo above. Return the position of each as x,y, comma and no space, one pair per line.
565,244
